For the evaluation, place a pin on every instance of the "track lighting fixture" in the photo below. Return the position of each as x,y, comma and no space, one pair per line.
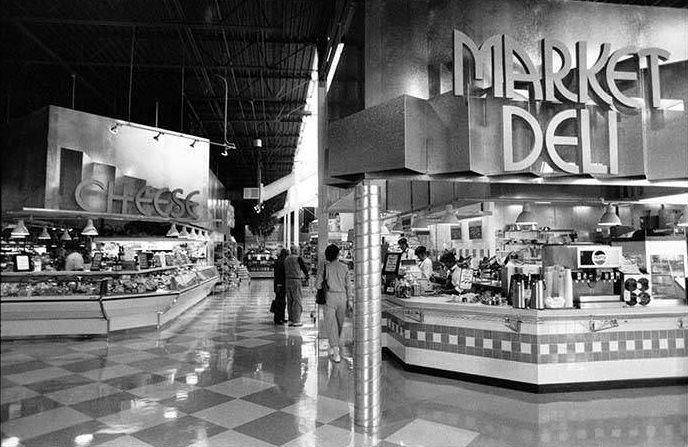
157,137
114,129
193,144
224,152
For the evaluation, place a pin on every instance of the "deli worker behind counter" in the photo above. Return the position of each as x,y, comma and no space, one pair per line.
424,261
406,253
448,260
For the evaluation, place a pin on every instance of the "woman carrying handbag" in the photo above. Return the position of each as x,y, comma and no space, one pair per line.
333,279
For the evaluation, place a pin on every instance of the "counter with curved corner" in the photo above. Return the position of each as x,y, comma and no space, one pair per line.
538,350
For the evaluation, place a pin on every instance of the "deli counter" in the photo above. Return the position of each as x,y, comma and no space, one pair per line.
612,330
52,303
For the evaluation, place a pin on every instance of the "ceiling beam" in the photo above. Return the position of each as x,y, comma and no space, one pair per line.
273,72
256,120
283,72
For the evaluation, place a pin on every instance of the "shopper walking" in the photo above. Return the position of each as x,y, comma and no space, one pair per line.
280,287
293,266
338,301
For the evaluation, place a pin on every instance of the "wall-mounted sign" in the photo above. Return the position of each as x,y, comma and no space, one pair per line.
475,231
503,67
147,200
455,233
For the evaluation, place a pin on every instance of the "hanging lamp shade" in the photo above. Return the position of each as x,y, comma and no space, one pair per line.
398,227
194,233
683,221
20,230
419,224
89,229
609,218
526,217
65,236
44,234
450,217
184,233
173,232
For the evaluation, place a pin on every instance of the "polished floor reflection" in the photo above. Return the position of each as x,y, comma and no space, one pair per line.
225,376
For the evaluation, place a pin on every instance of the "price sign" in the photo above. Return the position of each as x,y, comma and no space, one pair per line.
466,281
96,261
143,261
455,233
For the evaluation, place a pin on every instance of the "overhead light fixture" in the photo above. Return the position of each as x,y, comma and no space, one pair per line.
224,152
609,218
419,224
449,218
194,233
257,143
114,129
183,233
526,217
65,236
398,226
193,144
19,230
173,232
89,229
44,234
157,137
232,239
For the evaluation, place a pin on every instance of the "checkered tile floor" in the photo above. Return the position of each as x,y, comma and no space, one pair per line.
223,375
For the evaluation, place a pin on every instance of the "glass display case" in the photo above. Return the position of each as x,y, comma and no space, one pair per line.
107,283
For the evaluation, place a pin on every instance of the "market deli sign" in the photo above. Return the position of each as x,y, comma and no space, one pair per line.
493,64
94,195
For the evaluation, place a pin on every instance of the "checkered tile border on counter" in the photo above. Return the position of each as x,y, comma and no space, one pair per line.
558,348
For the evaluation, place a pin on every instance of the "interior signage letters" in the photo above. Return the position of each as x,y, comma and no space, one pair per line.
493,64
147,200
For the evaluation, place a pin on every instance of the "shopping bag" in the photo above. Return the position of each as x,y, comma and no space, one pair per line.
272,307
321,293
346,337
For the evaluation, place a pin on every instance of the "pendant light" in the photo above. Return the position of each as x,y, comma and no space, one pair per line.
450,217
683,221
44,234
609,218
194,233
398,227
65,236
19,230
89,229
173,232
184,233
526,217
419,224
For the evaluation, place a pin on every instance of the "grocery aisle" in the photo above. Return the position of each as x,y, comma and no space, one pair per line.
224,375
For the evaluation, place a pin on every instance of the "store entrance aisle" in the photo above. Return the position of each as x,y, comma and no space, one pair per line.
224,375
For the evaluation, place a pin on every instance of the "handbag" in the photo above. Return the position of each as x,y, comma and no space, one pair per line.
321,293
272,307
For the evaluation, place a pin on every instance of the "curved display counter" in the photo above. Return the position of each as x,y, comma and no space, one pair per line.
538,350
97,303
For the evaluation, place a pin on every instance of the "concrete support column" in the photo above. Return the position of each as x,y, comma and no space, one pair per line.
285,228
288,242
323,215
367,307
296,227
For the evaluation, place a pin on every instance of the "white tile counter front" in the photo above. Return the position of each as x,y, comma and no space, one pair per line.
539,349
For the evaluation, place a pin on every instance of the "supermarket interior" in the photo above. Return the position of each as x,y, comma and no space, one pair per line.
344,223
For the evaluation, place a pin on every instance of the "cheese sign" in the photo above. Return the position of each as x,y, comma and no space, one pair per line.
493,68
147,200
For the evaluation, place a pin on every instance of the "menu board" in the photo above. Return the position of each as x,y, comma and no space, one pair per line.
391,264
455,233
475,231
